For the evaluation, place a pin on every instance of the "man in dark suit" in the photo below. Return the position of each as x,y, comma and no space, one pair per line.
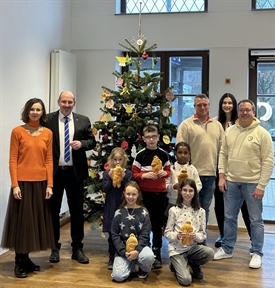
70,170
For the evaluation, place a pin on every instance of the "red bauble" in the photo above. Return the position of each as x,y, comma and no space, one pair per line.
124,145
144,55
107,166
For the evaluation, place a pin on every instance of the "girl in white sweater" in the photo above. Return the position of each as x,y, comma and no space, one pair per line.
183,156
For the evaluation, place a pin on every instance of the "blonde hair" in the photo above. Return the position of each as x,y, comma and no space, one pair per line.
115,151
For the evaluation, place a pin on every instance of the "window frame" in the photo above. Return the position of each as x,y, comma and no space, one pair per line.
254,4
253,62
164,66
123,9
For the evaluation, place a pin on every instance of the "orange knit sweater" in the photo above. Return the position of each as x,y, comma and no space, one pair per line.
31,157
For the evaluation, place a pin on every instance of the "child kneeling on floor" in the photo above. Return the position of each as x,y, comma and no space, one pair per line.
131,218
184,239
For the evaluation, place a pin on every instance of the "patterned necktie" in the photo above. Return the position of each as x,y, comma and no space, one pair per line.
66,140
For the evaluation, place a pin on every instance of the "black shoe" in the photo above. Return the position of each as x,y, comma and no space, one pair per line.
142,274
218,242
171,267
30,266
203,243
20,272
197,273
54,257
111,262
80,257
158,263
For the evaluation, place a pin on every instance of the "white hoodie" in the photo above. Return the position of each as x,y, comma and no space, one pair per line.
247,154
192,173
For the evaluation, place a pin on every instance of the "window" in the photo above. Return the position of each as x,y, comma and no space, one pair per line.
263,4
186,71
161,6
262,92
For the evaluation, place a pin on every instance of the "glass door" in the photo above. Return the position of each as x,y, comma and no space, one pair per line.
266,114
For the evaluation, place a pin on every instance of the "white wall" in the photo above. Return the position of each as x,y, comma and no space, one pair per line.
30,30
228,30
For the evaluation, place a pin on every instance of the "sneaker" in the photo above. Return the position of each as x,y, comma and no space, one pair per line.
158,263
220,254
111,262
197,272
256,261
142,274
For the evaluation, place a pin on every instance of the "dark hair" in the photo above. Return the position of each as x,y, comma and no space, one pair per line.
150,128
139,199
195,201
27,108
234,113
183,144
247,101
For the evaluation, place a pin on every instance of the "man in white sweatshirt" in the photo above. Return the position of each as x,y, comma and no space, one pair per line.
245,167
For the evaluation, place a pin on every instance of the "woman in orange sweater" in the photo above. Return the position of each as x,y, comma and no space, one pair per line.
28,224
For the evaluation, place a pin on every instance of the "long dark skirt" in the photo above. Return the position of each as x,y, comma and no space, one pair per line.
28,223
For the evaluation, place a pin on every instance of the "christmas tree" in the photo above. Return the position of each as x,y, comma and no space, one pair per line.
135,103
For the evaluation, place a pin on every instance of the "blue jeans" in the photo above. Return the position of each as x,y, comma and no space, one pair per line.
206,193
198,254
234,196
123,267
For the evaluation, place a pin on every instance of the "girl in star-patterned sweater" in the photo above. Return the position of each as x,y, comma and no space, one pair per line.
187,209
131,218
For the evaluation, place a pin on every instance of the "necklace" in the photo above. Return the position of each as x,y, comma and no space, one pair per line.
130,215
34,131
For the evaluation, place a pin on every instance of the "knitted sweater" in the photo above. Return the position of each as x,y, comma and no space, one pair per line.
247,154
31,157
205,142
142,164
129,221
192,172
177,217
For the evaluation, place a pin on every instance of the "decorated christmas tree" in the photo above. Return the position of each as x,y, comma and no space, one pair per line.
135,103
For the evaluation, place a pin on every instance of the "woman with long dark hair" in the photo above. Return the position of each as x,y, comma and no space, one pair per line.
227,116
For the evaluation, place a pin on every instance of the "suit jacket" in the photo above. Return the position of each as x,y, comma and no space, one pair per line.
82,133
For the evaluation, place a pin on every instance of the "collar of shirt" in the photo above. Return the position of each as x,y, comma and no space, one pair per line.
196,117
61,116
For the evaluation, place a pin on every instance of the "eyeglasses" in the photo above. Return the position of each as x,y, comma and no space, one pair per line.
153,137
245,110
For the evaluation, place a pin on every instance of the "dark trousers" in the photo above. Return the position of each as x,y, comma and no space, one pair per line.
155,202
65,179
112,248
219,211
